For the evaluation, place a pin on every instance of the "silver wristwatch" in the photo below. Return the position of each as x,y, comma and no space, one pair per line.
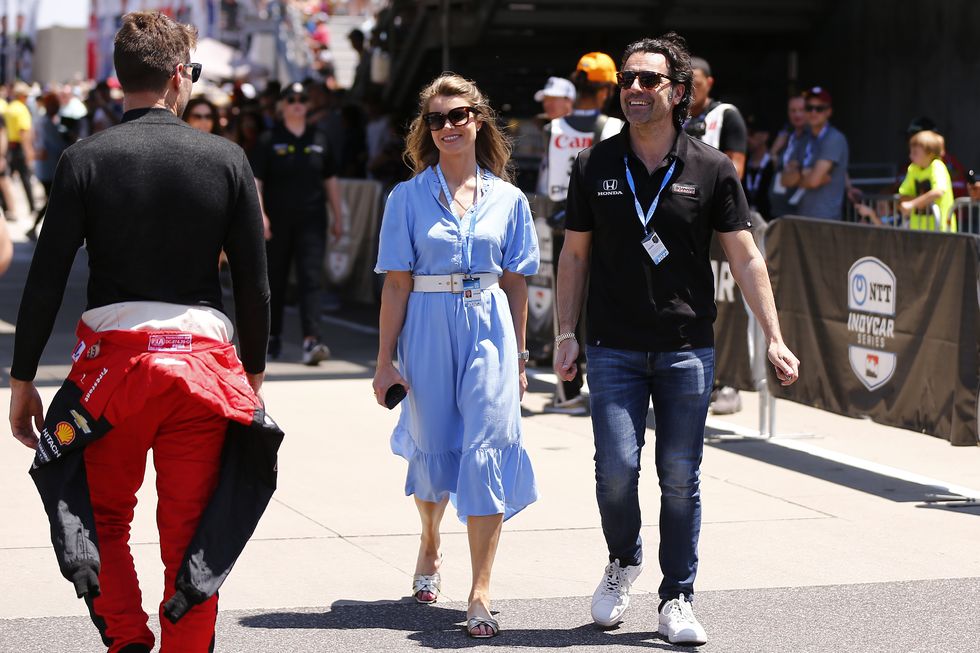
524,355
562,337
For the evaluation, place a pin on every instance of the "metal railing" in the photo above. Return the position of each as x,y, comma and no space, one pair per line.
876,208
883,209
967,214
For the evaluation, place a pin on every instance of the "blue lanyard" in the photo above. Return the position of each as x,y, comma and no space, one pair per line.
752,181
808,152
788,152
645,219
468,238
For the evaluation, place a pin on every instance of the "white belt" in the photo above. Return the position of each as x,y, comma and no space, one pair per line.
452,282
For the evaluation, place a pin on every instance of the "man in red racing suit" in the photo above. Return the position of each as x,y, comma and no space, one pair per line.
154,202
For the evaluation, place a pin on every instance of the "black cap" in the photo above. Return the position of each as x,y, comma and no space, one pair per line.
921,124
293,89
754,123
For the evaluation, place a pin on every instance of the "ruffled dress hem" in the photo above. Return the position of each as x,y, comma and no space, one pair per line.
481,481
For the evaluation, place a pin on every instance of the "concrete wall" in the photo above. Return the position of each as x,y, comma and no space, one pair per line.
60,54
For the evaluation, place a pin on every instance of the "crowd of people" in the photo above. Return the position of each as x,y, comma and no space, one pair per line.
154,367
635,203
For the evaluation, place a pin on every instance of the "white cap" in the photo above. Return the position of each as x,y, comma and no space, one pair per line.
556,87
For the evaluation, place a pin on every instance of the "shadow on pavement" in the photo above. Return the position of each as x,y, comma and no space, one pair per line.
443,627
832,471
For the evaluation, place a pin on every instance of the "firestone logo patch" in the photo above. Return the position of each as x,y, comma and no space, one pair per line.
871,301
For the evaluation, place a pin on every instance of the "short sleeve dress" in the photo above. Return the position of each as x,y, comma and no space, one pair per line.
460,427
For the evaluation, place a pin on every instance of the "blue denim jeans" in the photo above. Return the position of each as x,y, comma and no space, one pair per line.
621,385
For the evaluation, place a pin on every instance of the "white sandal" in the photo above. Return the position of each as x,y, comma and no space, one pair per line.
431,583
473,623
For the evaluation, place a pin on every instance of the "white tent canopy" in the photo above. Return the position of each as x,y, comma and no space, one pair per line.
223,62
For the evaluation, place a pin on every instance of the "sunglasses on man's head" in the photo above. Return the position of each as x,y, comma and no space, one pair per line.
295,99
648,78
816,108
195,70
457,118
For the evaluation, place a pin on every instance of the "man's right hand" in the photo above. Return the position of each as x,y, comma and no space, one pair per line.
25,406
565,366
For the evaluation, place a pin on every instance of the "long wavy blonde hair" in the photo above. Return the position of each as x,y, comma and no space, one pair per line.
493,147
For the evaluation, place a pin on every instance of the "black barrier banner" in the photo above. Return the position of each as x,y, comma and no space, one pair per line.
733,347
886,323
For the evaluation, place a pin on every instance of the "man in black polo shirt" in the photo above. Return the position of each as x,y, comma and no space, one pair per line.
642,207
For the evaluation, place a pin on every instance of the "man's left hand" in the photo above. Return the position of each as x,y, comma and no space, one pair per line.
25,406
786,363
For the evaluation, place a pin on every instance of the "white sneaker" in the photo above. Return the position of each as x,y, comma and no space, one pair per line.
679,625
612,597
577,405
314,352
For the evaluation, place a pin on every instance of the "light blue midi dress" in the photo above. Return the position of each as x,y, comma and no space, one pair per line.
460,426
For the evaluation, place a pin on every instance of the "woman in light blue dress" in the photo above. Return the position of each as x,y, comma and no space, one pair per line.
457,241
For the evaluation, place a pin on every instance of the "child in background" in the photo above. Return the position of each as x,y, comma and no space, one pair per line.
927,192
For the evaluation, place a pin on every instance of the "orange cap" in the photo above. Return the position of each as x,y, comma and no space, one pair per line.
598,66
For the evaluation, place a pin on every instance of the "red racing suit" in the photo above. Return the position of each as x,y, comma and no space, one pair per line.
115,376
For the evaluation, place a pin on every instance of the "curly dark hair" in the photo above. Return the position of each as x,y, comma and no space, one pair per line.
673,47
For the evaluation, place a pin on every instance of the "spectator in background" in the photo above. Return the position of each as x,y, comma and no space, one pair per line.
958,173
556,97
295,178
820,169
594,80
325,113
20,139
202,115
759,168
789,142
52,140
384,147
268,104
718,124
6,191
362,74
103,110
246,130
721,126
927,192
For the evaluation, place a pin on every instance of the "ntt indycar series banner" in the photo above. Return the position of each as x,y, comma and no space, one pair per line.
735,350
886,322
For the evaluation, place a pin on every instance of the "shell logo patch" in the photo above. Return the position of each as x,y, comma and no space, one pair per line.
65,433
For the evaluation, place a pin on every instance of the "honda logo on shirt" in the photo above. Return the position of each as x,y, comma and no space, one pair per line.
610,184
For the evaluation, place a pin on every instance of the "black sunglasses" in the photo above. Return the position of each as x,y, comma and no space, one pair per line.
457,118
648,78
816,108
195,69
293,99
